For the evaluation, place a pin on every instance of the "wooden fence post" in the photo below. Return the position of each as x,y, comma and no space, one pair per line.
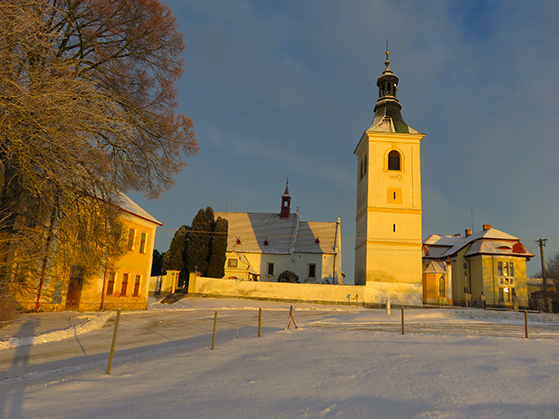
215,325
259,320
113,344
403,327
526,323
291,318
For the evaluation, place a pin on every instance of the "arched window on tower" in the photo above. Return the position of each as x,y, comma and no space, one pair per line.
394,160
361,170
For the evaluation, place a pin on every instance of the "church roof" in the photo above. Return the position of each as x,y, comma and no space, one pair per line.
388,117
390,120
316,237
250,232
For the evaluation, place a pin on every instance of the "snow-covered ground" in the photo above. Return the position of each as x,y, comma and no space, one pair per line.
342,362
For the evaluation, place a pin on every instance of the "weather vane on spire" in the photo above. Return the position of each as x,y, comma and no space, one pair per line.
387,52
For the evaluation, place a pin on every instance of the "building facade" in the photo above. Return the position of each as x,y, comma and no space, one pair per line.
490,261
124,285
388,247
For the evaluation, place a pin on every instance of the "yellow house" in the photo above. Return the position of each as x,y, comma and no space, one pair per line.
124,286
388,246
489,263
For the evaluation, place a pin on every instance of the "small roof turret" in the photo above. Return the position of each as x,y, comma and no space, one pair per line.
285,202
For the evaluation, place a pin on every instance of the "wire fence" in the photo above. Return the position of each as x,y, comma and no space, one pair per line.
451,329
218,326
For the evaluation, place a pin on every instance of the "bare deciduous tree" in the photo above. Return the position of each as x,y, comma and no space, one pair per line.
87,108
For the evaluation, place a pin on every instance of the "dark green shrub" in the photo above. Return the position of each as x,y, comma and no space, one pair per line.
288,276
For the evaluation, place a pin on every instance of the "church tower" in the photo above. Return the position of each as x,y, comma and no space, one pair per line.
388,246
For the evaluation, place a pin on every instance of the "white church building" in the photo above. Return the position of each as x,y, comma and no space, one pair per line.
260,246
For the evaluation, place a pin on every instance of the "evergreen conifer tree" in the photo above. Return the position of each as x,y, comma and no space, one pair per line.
157,263
216,267
199,240
174,258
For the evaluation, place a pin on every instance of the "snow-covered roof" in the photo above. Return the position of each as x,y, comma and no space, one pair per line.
488,241
268,233
131,207
385,122
435,267
316,237
535,281
498,247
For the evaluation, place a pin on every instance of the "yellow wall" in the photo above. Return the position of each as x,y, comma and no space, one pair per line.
134,263
480,273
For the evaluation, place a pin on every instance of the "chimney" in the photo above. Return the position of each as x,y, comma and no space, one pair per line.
487,227
468,232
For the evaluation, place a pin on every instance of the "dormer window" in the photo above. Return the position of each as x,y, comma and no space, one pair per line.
394,160
238,240
317,241
266,242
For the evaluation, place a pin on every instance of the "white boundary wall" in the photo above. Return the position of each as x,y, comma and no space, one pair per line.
375,293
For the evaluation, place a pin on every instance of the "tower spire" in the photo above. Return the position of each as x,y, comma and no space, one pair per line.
387,109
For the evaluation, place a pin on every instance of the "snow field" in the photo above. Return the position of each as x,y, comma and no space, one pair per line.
336,365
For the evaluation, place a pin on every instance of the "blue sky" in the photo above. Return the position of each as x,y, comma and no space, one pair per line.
284,89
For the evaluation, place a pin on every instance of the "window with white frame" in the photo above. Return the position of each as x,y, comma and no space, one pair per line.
505,272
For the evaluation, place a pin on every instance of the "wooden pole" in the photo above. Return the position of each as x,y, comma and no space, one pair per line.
215,326
541,243
113,344
526,324
259,320
289,318
293,318
403,327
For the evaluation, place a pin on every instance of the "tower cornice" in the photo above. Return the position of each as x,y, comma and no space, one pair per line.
388,137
